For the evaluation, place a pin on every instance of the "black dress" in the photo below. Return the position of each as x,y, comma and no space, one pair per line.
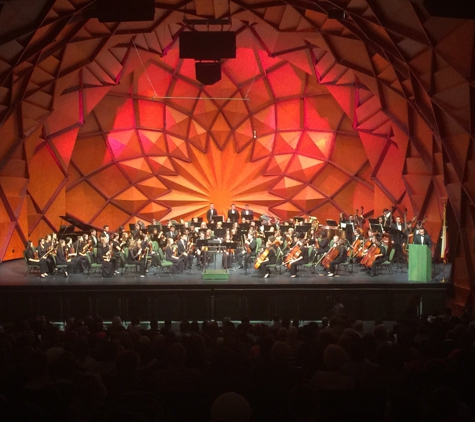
30,256
134,258
107,266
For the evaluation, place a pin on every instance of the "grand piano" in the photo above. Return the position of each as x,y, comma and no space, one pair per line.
74,228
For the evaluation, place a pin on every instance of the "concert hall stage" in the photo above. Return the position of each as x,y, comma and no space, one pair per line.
188,295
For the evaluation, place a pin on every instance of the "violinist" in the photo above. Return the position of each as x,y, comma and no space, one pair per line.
171,255
184,251
62,257
80,262
116,246
250,248
323,243
228,253
341,257
42,249
270,259
380,257
104,256
36,258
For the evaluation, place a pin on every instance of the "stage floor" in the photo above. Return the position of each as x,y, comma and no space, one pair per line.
190,296
13,273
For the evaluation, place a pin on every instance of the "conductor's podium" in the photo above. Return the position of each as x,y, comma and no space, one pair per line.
420,263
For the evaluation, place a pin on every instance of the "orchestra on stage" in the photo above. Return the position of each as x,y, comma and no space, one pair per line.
235,241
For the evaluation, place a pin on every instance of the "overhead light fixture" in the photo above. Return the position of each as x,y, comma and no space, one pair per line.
336,13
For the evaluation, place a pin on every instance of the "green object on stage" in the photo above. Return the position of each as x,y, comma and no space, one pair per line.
420,263
216,275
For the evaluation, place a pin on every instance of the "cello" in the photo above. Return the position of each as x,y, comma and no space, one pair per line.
370,257
330,256
292,256
261,258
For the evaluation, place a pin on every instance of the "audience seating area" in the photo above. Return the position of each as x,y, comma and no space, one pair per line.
337,369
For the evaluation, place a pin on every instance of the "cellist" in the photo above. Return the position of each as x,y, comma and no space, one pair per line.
341,257
270,259
378,258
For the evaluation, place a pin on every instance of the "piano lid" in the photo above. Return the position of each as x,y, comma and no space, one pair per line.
75,223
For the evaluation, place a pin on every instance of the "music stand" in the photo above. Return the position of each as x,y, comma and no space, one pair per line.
179,227
332,223
377,228
131,227
244,227
217,218
227,225
151,228
220,233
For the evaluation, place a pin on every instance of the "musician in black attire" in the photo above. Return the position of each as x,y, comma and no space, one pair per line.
104,256
30,256
94,239
380,258
200,252
136,257
270,259
247,214
233,214
302,258
398,239
171,256
62,257
341,257
211,213
116,248
250,249
182,243
172,233
137,231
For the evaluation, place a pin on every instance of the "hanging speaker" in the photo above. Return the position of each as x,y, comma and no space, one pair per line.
125,10
208,73
461,9
209,45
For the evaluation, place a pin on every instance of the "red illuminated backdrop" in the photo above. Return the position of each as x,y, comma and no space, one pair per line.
315,116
